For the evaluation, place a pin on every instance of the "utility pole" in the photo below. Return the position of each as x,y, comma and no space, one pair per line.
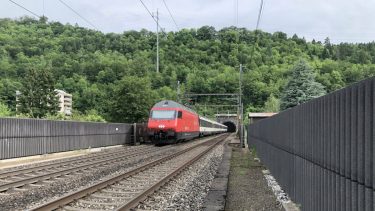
157,40
240,104
178,91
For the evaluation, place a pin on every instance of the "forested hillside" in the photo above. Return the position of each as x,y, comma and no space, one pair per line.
106,71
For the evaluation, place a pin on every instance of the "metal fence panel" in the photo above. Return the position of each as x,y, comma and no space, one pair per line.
25,137
323,152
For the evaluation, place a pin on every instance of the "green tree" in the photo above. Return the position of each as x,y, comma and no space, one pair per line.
328,49
301,87
90,116
132,99
272,104
38,97
4,110
8,88
89,64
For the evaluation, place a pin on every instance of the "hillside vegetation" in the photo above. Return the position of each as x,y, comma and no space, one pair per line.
114,74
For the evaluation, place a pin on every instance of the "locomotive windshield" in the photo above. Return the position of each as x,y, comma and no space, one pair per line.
155,114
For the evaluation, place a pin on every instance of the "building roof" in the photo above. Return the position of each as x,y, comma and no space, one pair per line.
62,92
265,114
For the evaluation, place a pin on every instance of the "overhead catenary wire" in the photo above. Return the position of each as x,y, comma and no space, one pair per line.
83,18
25,8
170,14
256,29
152,16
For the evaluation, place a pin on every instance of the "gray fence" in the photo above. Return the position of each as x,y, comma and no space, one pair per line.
323,152
24,137
141,133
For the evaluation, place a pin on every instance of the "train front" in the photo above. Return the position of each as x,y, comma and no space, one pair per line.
162,125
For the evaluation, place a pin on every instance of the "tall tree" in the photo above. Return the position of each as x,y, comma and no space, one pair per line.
132,99
328,49
301,87
38,96
87,63
272,104
8,89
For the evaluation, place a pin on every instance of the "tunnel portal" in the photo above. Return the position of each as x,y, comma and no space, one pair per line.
231,126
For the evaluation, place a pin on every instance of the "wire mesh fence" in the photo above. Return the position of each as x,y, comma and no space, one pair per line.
323,152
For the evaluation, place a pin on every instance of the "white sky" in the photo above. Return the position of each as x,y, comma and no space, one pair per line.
340,20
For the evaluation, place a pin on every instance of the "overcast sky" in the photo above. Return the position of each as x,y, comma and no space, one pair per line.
340,20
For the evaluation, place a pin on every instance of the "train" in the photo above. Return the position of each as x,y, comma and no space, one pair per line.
170,122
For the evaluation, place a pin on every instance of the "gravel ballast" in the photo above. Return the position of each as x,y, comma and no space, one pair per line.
188,190
35,195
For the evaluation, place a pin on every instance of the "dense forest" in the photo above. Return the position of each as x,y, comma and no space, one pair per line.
114,75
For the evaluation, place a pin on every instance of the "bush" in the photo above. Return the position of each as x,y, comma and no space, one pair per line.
58,116
90,116
4,110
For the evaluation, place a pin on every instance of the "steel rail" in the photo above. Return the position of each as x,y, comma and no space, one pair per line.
61,163
26,181
142,196
71,197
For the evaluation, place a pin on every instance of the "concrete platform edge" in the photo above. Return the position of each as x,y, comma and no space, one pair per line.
216,197
14,162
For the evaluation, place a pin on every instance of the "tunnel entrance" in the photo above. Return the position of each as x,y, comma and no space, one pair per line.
231,126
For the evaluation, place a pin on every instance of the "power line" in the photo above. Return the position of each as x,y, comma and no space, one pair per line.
148,10
153,17
259,14
25,8
174,21
83,18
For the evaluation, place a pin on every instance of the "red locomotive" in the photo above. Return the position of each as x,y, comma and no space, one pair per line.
171,122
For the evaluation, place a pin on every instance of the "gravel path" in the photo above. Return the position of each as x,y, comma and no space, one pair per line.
247,188
188,190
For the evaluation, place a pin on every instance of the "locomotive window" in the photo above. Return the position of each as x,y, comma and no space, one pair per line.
163,114
179,115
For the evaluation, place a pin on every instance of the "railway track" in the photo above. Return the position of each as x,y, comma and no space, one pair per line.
21,179
125,191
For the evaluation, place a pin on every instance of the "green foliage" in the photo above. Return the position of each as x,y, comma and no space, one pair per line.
58,116
38,96
272,104
8,88
132,100
24,116
90,116
166,93
90,64
301,87
4,110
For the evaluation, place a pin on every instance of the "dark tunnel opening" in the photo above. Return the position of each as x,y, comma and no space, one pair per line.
231,126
